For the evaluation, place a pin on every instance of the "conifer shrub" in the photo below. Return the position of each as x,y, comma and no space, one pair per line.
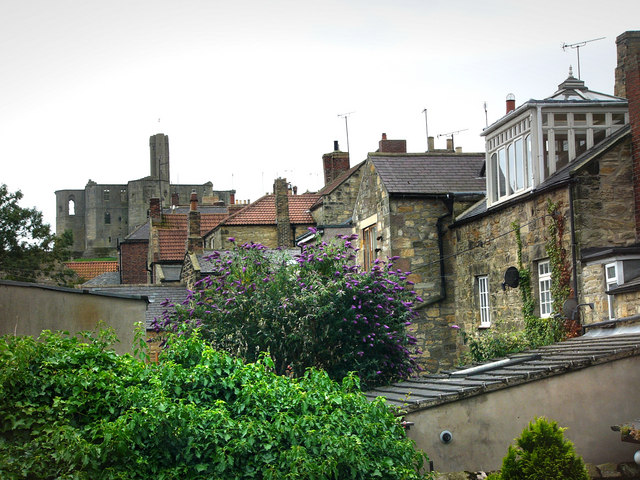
542,453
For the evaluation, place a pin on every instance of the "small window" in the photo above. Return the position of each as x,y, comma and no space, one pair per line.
105,194
544,284
107,218
72,207
611,279
369,246
483,300
617,119
123,195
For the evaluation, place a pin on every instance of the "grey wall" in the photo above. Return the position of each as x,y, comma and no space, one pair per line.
27,309
587,401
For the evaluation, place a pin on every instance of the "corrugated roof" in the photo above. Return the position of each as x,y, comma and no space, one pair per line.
430,173
557,359
89,270
263,211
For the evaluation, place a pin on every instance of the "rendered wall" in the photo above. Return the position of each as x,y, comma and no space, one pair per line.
29,309
587,401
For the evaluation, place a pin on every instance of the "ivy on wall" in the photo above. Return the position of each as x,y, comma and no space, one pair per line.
528,304
558,258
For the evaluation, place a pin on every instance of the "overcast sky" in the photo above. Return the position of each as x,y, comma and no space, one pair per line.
251,90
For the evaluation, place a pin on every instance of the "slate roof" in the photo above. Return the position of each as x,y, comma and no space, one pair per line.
155,293
89,270
107,278
574,354
336,182
263,211
430,173
141,233
173,232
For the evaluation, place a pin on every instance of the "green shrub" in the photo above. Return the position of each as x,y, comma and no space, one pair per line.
315,310
542,453
71,408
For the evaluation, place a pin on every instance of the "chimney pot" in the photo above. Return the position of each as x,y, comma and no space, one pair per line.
384,136
194,201
431,144
336,147
450,144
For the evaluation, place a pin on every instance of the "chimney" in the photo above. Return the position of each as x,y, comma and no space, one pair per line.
450,144
334,163
155,211
195,242
431,144
628,85
391,146
511,103
283,223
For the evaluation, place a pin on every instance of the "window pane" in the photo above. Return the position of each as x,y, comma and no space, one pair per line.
544,286
495,174
617,118
562,149
599,118
579,118
560,119
598,135
529,161
511,156
519,170
581,141
502,173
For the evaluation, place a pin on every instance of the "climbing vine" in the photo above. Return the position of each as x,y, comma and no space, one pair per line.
558,258
528,304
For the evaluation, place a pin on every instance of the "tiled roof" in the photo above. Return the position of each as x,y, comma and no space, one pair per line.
430,173
172,233
557,359
263,211
108,278
156,294
89,270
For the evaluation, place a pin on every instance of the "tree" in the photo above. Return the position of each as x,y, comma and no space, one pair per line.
541,452
28,248
71,408
315,310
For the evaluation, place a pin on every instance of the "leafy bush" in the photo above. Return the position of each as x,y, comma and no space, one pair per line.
71,408
316,310
492,344
541,452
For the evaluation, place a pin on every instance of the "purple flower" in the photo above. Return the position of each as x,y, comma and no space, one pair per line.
231,239
455,327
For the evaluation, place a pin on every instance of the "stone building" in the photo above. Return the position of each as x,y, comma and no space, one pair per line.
575,151
405,204
101,215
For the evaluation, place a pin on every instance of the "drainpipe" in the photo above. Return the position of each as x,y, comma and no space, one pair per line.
443,288
574,261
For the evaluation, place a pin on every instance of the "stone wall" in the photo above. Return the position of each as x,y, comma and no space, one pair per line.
337,206
488,246
266,235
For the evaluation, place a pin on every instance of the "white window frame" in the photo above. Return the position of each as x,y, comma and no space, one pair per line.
611,281
484,301
544,289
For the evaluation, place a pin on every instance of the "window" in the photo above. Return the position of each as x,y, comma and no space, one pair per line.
72,207
611,279
123,195
544,284
511,168
483,298
369,246
105,194
107,218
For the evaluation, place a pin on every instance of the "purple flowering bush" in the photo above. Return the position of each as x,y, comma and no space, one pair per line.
317,309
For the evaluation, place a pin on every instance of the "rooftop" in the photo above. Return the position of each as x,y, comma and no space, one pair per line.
263,211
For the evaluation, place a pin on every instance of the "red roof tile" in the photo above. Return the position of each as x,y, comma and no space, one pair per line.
89,270
263,211
172,233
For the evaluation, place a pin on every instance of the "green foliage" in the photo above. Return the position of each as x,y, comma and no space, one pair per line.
28,248
71,408
528,303
558,258
496,343
315,310
541,452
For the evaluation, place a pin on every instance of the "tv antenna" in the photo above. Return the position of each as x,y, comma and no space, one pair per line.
577,48
451,134
346,125
426,126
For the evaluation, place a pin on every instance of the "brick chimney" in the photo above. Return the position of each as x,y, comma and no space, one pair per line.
283,222
511,103
155,211
175,199
628,85
334,163
391,146
195,242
